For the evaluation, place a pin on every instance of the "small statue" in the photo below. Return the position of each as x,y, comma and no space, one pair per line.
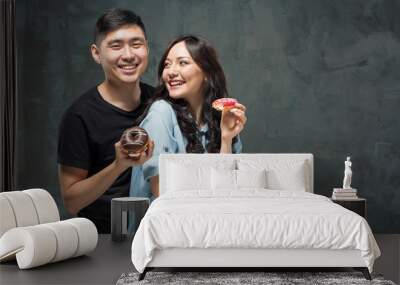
347,174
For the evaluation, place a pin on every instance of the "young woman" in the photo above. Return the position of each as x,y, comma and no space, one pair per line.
180,118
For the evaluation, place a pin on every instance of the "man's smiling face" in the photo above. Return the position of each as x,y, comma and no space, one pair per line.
123,54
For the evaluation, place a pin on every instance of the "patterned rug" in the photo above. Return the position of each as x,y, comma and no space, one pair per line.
243,278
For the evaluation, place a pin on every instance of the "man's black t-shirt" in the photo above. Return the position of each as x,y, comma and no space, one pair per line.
89,129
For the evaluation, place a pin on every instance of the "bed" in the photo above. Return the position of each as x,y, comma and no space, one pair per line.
247,210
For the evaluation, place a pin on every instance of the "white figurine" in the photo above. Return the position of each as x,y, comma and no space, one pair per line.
347,174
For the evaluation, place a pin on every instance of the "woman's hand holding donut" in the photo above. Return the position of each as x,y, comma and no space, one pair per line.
232,122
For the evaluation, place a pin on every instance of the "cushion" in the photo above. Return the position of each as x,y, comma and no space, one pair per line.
45,205
66,237
87,233
182,175
251,178
31,246
183,178
7,220
23,208
225,179
281,174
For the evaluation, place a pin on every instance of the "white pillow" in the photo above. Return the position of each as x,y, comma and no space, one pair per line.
183,177
281,174
187,176
251,178
223,179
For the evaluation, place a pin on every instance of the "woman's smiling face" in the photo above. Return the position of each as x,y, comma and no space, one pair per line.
182,76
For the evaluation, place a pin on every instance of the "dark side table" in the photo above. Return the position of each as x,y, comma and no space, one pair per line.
358,206
124,208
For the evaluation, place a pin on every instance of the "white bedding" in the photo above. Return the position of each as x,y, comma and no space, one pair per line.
251,218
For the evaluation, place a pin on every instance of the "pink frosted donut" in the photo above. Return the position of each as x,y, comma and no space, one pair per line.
224,103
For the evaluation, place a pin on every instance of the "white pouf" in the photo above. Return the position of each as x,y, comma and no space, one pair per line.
7,218
40,244
45,205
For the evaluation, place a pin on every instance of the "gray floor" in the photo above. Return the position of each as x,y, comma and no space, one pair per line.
110,260
102,266
389,262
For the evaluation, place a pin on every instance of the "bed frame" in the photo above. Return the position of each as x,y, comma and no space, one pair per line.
256,258
251,258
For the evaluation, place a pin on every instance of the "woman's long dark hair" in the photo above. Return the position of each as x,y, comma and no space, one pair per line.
205,57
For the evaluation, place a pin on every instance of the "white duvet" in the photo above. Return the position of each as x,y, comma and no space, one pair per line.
252,218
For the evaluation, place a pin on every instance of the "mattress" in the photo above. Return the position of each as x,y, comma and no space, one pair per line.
251,219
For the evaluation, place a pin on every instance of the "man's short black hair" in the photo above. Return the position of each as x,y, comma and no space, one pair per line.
114,19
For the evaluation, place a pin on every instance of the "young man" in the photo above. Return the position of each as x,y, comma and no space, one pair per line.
93,168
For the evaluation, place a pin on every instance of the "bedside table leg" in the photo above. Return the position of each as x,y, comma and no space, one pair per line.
116,222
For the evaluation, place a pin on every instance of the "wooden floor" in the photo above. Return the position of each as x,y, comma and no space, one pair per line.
389,262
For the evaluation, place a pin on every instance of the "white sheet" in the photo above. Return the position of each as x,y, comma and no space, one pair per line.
252,218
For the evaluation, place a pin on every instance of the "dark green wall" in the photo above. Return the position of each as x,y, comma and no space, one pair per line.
316,76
